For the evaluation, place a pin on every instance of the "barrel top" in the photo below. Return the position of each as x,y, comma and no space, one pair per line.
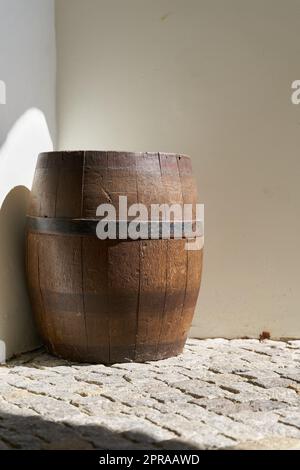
112,152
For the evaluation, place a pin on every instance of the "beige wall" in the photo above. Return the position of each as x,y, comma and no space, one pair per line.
210,78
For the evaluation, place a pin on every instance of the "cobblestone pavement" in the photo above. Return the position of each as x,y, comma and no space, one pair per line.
218,394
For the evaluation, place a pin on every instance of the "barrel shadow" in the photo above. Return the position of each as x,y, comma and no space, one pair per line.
17,329
36,433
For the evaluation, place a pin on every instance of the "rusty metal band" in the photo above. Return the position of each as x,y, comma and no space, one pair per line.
82,227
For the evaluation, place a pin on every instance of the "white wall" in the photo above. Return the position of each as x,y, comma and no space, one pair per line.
210,78
27,127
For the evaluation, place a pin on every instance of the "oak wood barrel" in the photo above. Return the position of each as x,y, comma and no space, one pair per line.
108,301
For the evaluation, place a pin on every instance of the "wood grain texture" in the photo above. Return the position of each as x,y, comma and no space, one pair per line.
152,293
95,298
175,291
62,290
114,300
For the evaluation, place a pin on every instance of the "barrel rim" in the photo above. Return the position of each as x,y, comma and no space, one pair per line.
113,152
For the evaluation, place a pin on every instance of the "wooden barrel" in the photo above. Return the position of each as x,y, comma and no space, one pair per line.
108,301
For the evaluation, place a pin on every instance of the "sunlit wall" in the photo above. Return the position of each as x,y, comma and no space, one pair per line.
27,127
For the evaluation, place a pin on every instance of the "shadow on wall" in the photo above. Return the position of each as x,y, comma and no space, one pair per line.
28,137
16,318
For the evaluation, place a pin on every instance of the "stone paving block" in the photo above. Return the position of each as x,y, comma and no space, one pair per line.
189,411
260,373
290,417
147,432
208,439
227,407
235,429
272,382
291,374
4,446
287,395
277,443
267,422
199,389
168,396
17,439
170,378
218,394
